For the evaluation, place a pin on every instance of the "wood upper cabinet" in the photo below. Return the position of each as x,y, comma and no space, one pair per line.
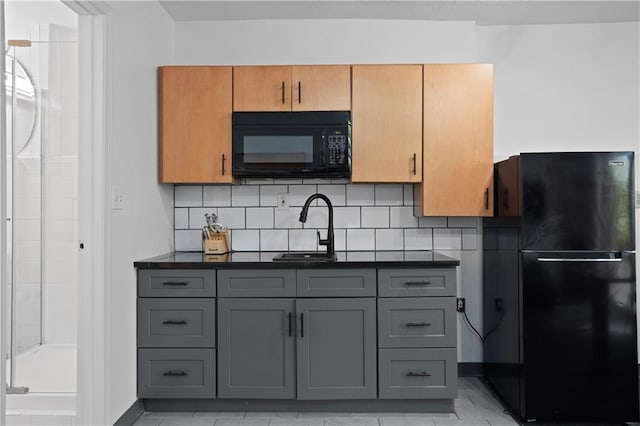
387,123
194,124
292,88
508,198
458,141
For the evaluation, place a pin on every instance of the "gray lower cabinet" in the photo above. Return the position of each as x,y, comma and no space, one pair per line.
336,348
256,338
176,331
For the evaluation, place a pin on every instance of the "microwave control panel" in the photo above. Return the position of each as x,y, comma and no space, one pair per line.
337,150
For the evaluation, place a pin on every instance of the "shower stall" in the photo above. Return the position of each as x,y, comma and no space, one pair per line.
41,84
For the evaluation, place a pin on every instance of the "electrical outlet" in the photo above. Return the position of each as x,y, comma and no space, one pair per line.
460,304
283,201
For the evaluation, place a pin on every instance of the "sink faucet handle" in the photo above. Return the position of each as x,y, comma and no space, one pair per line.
321,241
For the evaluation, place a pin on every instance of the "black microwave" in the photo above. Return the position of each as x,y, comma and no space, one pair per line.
292,144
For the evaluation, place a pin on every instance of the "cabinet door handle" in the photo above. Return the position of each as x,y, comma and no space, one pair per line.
283,92
174,283
417,283
223,159
301,326
171,322
174,373
418,324
418,374
486,199
299,92
289,324
414,163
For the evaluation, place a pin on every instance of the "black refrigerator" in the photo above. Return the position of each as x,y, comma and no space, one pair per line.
559,287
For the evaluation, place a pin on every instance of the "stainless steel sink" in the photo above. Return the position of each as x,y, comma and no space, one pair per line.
299,256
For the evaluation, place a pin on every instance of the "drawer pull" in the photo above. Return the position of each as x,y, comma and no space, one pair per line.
410,283
418,324
170,322
175,373
418,374
175,283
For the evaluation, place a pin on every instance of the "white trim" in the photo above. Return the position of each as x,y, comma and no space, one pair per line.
84,7
3,231
94,222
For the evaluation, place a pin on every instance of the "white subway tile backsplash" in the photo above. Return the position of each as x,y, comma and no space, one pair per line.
375,217
336,194
432,222
389,239
274,240
418,239
232,217
246,240
188,196
181,218
287,219
389,195
269,194
462,222
302,239
196,216
469,238
259,217
360,195
361,239
346,217
298,194
447,239
366,217
402,217
408,194
188,240
245,196
217,196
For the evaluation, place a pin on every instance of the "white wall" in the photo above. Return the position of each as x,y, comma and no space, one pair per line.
140,38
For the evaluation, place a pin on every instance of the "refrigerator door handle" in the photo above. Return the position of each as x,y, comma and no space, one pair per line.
558,259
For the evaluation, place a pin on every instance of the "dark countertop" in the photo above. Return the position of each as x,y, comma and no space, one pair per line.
349,259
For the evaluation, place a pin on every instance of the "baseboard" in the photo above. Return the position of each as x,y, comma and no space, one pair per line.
470,369
129,417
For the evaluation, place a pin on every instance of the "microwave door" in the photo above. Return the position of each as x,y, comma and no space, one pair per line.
275,151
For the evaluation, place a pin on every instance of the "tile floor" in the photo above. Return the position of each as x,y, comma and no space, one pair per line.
475,406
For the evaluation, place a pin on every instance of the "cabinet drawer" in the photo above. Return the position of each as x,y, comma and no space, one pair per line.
417,322
416,282
176,283
176,323
336,282
257,283
176,373
417,373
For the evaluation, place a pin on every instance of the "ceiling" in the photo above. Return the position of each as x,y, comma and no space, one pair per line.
482,12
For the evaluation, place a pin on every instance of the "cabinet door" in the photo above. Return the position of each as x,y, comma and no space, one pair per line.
336,348
508,187
387,123
458,141
321,88
256,348
262,88
195,124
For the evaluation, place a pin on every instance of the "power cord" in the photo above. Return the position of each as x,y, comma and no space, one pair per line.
482,339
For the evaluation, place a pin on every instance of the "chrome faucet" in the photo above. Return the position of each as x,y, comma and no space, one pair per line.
328,242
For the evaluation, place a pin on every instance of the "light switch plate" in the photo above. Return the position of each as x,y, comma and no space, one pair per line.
283,201
117,200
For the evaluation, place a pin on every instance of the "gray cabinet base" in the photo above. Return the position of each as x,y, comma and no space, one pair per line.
278,405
